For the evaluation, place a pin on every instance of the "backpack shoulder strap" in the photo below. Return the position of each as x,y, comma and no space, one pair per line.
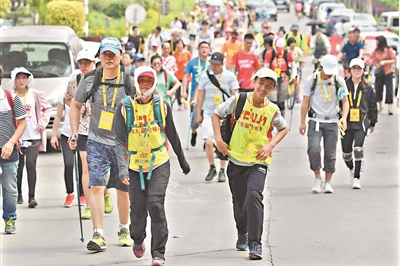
166,79
337,84
78,78
240,104
285,56
11,103
301,37
273,54
157,110
127,103
215,82
314,84
96,81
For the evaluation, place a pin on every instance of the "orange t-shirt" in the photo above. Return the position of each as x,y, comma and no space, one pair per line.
182,59
230,48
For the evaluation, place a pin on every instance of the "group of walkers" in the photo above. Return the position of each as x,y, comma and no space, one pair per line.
122,120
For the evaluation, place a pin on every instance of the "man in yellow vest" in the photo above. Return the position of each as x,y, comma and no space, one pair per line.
250,152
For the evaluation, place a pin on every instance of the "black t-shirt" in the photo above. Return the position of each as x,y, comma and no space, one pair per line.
135,41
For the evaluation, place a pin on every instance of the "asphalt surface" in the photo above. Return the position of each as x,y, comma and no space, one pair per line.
349,227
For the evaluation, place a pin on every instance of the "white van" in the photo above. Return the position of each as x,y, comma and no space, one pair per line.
48,52
389,21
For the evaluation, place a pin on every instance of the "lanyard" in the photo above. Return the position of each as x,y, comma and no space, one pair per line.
251,114
26,93
199,65
358,101
103,80
323,90
220,80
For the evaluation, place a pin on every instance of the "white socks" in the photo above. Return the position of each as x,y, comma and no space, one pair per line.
122,226
98,230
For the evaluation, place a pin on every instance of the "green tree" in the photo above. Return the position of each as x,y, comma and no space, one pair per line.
4,8
115,10
66,13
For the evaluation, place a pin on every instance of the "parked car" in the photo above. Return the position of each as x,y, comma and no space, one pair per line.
253,4
323,9
268,7
283,5
389,21
48,52
315,4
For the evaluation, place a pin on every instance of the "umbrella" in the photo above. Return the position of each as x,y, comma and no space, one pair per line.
315,22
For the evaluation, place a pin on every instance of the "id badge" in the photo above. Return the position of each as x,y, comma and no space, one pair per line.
248,152
106,120
278,72
354,115
143,156
217,100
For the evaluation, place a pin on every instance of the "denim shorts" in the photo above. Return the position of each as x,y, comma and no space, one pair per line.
102,161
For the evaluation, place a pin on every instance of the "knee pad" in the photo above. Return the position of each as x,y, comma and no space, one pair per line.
358,153
156,211
347,156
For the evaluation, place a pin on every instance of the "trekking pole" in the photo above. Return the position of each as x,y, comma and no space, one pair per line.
73,139
190,122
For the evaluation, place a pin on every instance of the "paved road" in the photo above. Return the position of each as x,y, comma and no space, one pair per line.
349,227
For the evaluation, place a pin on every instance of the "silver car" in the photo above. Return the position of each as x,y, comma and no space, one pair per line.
268,7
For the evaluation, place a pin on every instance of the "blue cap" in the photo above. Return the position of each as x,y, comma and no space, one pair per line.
138,56
129,46
111,44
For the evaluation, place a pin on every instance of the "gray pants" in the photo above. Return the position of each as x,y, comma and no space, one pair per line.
150,201
328,131
279,96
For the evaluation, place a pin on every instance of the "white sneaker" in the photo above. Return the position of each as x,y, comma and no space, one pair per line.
356,183
317,185
328,188
351,175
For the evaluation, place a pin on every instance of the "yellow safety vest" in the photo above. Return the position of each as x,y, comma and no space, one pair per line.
257,121
146,132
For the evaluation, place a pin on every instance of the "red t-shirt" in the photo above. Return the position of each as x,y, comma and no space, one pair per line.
247,64
279,61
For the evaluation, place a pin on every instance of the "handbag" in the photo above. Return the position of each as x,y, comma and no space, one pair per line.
380,72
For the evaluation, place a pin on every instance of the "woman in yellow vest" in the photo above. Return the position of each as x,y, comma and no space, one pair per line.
142,127
250,153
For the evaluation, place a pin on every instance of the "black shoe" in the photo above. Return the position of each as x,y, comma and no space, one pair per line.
221,176
390,112
193,139
32,203
241,243
20,199
255,251
211,174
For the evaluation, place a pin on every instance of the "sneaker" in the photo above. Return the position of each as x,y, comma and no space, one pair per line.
157,261
356,183
108,205
82,200
10,227
351,176
317,185
241,243
32,203
193,139
221,176
298,100
97,243
139,250
20,199
211,174
124,238
69,200
255,251
328,188
87,214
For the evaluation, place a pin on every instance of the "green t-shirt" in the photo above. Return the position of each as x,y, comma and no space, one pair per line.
164,83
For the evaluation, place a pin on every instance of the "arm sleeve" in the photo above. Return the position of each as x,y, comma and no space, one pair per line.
120,138
226,108
278,121
173,138
372,107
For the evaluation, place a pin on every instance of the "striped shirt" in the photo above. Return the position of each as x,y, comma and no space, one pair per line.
7,125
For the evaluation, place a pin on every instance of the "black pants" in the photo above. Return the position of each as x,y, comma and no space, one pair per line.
388,81
68,156
247,185
150,201
358,139
178,94
31,153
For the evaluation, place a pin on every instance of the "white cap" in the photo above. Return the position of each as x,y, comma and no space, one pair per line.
329,64
266,73
85,54
280,42
357,62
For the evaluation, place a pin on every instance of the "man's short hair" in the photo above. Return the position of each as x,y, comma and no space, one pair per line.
134,27
249,36
158,28
235,33
269,34
204,42
268,41
162,45
204,22
356,30
350,32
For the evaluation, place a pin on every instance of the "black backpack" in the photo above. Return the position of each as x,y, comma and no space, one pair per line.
127,74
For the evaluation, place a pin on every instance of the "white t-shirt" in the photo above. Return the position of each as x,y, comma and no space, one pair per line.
322,108
30,132
66,128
